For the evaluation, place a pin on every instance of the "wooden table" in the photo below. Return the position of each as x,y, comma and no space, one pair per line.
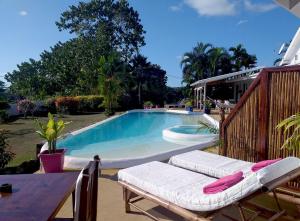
35,196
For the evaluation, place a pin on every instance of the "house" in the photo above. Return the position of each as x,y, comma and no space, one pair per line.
235,84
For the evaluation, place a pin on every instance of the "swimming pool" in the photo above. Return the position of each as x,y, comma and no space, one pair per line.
129,139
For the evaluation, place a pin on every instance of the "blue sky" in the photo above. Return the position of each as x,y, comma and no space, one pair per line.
173,27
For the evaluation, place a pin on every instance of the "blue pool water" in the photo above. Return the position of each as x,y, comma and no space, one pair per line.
190,130
132,134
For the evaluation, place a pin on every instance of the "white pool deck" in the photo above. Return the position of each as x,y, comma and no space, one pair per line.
79,162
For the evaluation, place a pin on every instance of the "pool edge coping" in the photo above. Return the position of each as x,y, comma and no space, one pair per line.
126,162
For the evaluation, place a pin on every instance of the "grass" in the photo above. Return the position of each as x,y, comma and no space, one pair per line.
23,139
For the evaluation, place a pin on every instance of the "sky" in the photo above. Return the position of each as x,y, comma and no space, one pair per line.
172,27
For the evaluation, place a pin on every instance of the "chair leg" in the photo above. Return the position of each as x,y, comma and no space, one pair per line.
73,203
126,196
241,212
276,200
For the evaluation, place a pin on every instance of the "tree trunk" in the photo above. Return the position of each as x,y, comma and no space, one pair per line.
139,94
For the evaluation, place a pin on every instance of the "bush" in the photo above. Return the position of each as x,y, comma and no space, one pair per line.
4,105
3,116
5,154
148,104
66,105
89,103
25,106
50,105
188,103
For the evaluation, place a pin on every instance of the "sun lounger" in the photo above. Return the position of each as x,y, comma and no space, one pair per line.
210,164
181,190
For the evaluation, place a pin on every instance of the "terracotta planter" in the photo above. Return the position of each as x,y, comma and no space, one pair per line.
54,162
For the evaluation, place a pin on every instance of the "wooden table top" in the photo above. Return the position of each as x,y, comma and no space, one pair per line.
35,196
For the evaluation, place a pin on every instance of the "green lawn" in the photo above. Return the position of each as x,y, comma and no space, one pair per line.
23,139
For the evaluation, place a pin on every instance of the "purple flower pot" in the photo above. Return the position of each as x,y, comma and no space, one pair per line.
54,162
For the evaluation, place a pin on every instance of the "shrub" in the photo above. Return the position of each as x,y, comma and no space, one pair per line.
3,116
89,103
66,105
188,103
3,105
25,106
148,104
5,154
50,105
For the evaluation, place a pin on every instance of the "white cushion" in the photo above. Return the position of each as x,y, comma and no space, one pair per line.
183,187
277,169
210,164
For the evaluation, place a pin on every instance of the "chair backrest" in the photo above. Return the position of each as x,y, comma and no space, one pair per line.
89,192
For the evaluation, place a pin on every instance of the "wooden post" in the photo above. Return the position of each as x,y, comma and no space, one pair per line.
222,137
263,117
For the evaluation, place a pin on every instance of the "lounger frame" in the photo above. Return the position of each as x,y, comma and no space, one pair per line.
133,194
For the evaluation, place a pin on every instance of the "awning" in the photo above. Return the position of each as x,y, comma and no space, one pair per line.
231,76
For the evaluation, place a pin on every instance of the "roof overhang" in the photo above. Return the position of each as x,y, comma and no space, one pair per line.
291,5
250,73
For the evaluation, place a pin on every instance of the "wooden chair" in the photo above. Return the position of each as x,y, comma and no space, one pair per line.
86,195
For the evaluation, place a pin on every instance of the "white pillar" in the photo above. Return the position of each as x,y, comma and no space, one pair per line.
197,97
201,95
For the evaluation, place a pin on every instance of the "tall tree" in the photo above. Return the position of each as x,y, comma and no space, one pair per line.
2,86
241,59
215,56
140,68
111,69
112,18
27,79
194,64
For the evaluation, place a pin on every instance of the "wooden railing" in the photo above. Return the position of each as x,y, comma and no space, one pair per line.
249,132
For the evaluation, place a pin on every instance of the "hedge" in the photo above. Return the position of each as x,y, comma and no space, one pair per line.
72,105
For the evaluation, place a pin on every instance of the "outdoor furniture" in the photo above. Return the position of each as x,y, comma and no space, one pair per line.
180,190
86,194
210,164
35,196
40,196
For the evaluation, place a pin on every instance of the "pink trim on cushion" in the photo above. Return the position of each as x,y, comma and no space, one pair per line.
223,183
263,164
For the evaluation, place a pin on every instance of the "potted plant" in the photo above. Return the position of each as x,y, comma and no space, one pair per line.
207,107
189,106
148,105
52,159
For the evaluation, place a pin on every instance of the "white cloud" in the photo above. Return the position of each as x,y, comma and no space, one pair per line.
213,7
259,7
176,8
23,13
179,57
240,22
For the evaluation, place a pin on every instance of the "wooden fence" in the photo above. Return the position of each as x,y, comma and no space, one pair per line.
249,131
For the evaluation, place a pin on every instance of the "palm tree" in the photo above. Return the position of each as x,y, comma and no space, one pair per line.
277,61
140,67
215,56
194,64
241,59
111,69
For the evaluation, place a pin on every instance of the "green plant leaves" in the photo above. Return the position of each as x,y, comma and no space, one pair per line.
291,128
51,130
